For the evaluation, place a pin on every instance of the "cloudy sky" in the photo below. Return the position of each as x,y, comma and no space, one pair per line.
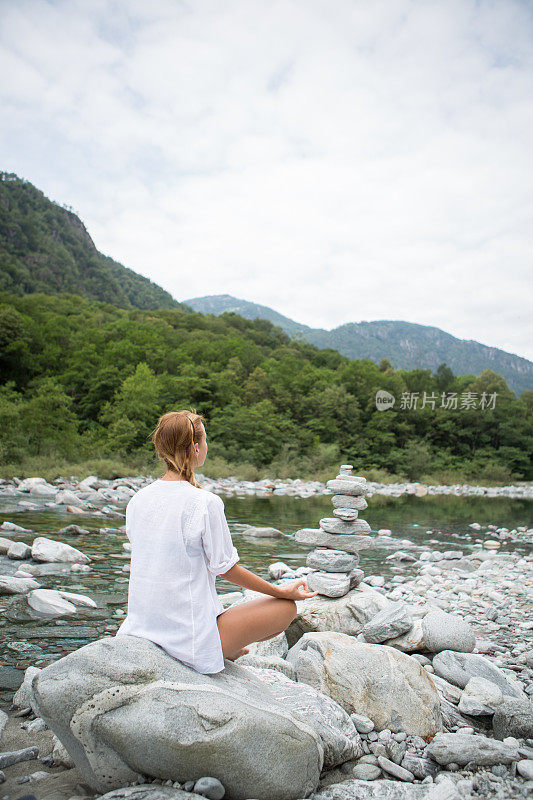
337,160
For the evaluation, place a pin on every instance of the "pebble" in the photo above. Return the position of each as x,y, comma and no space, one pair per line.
366,772
395,770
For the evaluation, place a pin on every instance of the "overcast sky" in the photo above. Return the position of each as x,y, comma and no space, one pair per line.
337,160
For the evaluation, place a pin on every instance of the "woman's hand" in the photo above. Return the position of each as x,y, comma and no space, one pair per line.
290,591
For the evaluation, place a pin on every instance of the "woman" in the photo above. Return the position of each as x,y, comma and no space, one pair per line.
180,542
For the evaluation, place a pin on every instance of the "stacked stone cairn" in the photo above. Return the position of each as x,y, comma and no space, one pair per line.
336,565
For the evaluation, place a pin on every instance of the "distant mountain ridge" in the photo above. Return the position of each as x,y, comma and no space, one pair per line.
45,247
407,345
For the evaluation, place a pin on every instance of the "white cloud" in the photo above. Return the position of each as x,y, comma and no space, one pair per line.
337,161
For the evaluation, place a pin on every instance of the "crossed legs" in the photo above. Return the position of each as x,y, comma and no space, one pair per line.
253,621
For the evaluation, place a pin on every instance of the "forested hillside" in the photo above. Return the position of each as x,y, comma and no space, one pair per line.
46,248
406,345
83,379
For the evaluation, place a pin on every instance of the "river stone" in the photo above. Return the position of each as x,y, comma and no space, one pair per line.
419,767
10,585
366,772
150,792
66,497
50,601
19,551
353,789
347,501
23,697
350,542
480,697
331,560
346,514
345,614
275,646
268,662
337,526
463,748
122,706
392,621
458,668
411,640
338,734
262,533
12,526
514,717
377,681
348,486
330,584
44,549
5,544
73,530
443,631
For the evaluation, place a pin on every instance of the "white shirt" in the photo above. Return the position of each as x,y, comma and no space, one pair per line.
180,542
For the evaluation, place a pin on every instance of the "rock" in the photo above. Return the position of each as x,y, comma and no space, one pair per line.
331,584
122,706
50,601
392,621
514,717
418,766
149,792
66,497
460,748
10,585
353,789
16,756
73,530
5,544
336,729
480,697
332,560
356,502
458,668
362,723
268,662
78,599
338,526
366,772
351,542
395,770
44,549
12,526
275,646
23,697
60,755
346,514
345,614
28,484
525,769
411,640
262,533
444,631
210,788
377,681
346,487
19,551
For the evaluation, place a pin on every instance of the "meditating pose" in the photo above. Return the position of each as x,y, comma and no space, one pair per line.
180,542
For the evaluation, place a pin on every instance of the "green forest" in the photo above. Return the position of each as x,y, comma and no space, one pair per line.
83,383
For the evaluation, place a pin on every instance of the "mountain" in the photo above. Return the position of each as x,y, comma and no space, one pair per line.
45,247
407,345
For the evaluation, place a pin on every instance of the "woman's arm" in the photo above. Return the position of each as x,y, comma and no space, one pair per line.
241,576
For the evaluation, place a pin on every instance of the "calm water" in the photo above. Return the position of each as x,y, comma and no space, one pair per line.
29,638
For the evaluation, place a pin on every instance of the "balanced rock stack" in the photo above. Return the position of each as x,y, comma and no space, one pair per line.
335,562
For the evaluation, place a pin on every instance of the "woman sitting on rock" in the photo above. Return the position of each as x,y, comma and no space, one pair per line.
180,542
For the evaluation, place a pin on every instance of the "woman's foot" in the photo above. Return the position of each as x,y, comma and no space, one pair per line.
241,652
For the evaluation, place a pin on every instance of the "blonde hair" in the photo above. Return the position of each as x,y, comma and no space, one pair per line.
174,439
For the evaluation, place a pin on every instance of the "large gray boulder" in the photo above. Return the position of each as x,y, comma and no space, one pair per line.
458,668
513,717
382,683
465,748
122,706
44,549
345,614
336,729
443,631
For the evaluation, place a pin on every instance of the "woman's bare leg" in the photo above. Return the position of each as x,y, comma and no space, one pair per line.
253,621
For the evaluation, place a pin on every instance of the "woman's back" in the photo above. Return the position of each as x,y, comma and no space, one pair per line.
180,541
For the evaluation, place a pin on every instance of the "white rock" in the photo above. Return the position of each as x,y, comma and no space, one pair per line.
480,697
50,601
44,549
